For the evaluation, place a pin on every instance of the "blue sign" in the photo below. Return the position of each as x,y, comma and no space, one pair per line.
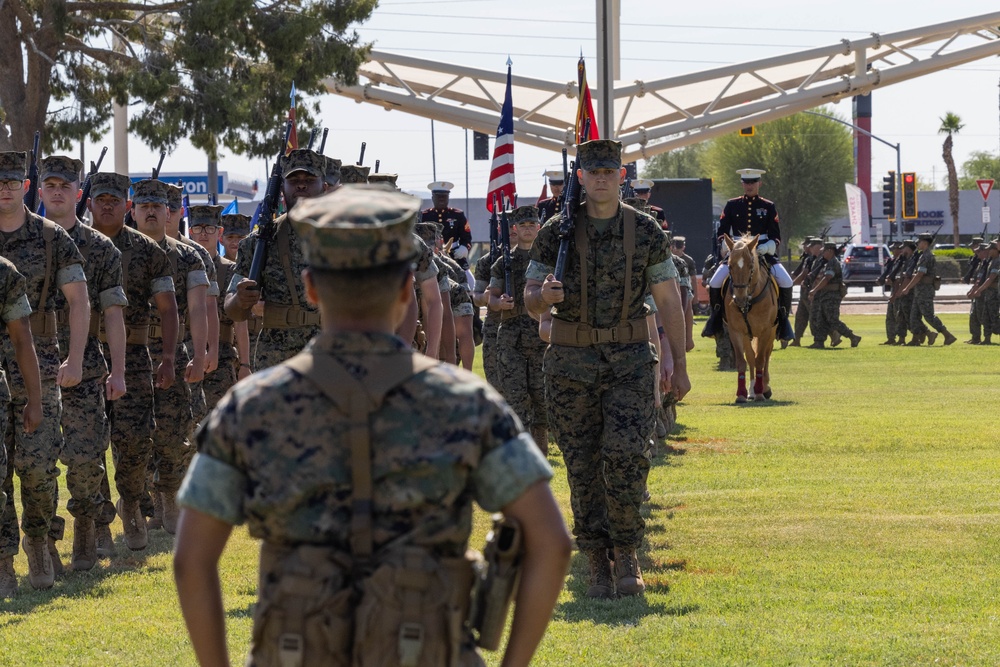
193,184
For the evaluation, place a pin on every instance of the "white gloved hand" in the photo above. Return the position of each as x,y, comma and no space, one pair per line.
723,249
766,248
459,251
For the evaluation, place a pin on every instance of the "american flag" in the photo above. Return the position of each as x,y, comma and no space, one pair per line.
502,171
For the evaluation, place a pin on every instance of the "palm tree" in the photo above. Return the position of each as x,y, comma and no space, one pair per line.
950,125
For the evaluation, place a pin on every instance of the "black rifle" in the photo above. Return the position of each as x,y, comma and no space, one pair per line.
81,206
31,196
361,158
312,138
494,238
264,216
934,235
322,142
377,163
562,195
159,165
571,201
826,230
505,245
627,190
840,248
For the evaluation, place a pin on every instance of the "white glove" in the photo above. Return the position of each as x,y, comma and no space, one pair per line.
723,249
766,248
459,251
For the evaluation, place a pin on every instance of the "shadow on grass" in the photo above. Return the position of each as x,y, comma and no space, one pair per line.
245,612
87,584
769,403
623,611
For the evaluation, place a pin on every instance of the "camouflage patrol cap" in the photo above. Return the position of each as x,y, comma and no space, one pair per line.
599,154
429,232
60,166
150,191
352,173
110,183
830,246
636,203
910,243
356,227
524,214
175,196
384,179
236,223
303,159
814,241
331,173
976,239
204,214
925,237
13,166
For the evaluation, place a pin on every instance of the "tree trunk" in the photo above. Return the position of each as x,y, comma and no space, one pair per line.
949,162
25,50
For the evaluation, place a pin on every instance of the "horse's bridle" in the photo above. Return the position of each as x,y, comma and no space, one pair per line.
745,309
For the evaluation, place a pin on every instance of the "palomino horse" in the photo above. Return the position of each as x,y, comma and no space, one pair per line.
751,302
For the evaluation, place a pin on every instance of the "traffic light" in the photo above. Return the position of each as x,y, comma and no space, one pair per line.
747,131
889,195
909,195
893,227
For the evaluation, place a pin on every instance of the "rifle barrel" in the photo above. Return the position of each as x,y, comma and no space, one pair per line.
361,158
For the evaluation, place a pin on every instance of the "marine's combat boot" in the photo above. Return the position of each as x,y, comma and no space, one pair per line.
818,344
134,524
796,342
601,584
57,566
974,341
988,340
835,339
84,544
713,326
8,579
628,576
105,543
156,521
948,338
170,511
931,337
916,340
855,340
785,330
40,573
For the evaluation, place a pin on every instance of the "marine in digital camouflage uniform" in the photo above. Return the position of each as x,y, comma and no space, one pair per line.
353,174
599,367
292,480
85,426
147,278
48,259
491,322
826,295
803,277
902,302
206,227
519,349
235,227
462,310
172,406
985,294
289,321
922,287
14,313
430,234
885,281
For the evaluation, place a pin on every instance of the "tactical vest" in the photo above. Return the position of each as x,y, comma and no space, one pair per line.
321,606
581,334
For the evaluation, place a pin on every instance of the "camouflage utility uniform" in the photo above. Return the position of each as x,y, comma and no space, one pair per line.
13,306
218,382
34,455
491,323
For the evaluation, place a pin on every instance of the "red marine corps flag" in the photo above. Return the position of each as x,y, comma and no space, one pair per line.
585,109
502,171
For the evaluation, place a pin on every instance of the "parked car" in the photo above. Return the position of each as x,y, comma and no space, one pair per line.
862,264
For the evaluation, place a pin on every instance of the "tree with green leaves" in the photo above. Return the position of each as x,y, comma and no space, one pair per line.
807,158
684,162
950,125
217,72
981,164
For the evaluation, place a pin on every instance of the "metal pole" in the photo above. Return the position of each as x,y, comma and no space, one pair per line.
434,164
608,18
467,170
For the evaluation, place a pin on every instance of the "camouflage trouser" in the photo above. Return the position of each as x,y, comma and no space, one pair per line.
991,311
975,322
490,326
86,433
519,362
132,424
890,322
218,382
824,316
277,345
724,348
4,420
802,314
603,430
172,409
33,456
904,305
923,308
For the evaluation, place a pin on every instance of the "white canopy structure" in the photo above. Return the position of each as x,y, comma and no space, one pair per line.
652,117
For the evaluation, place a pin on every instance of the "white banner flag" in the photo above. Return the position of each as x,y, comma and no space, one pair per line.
857,211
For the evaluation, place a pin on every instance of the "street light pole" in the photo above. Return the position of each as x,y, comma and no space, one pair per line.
899,164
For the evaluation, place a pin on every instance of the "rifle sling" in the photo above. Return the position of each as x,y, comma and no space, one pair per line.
284,250
358,401
583,248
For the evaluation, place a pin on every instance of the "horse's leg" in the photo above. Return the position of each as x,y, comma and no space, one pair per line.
739,358
765,345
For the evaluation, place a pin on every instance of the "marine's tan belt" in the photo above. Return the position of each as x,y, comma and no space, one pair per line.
289,317
133,335
43,324
156,332
575,334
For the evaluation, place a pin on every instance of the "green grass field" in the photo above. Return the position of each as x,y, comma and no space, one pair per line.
854,519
